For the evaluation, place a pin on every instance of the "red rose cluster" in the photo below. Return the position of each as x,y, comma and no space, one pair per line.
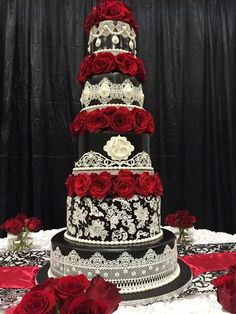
106,62
181,219
110,10
125,184
71,295
226,290
20,224
118,119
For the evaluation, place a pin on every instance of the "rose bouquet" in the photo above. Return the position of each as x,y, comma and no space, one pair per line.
182,220
18,230
70,295
226,290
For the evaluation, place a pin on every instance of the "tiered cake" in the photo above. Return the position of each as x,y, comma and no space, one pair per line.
113,203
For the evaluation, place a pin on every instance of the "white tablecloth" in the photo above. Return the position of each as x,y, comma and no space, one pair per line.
204,303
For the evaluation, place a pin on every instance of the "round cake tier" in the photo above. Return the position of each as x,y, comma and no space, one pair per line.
112,88
112,35
96,142
113,221
132,268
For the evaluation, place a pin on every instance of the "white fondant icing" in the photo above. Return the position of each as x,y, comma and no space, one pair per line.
105,91
118,148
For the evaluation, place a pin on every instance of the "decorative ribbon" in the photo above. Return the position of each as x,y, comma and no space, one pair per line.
18,277
202,263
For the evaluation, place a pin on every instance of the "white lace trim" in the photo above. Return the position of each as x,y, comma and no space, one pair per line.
105,91
114,51
96,161
109,243
128,273
106,28
90,108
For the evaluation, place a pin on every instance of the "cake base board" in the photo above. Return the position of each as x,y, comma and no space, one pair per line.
168,291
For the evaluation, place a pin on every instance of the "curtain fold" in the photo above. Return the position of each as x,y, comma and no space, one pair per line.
188,47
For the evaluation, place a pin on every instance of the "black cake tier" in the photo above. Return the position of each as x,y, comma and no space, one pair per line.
113,220
108,43
112,88
112,35
144,273
96,142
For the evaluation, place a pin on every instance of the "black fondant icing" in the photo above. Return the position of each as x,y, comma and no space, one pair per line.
106,43
96,142
115,77
112,252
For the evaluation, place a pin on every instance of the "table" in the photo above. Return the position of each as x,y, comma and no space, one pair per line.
204,302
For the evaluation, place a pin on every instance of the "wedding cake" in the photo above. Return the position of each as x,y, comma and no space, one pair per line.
114,195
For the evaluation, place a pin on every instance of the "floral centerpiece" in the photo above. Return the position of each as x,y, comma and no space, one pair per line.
18,229
226,290
70,295
182,220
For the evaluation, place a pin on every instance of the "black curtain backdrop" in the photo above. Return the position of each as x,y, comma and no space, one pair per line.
189,48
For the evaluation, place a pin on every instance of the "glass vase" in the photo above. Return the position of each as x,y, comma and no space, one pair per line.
21,242
183,237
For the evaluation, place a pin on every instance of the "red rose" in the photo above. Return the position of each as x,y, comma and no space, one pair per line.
109,110
145,184
114,11
47,285
37,302
71,286
158,190
21,217
70,184
82,184
33,224
105,291
103,62
110,10
141,72
127,63
85,70
171,220
185,220
150,124
122,120
141,119
79,125
101,185
13,226
84,305
124,184
92,19
226,296
181,219
222,280
97,121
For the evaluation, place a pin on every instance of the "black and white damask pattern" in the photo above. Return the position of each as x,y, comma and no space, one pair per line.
113,219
